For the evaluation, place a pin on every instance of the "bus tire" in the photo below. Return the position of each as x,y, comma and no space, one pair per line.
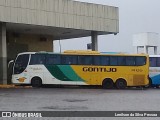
121,83
36,82
107,83
150,82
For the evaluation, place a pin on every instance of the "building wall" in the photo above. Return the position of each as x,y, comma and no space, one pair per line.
61,13
26,42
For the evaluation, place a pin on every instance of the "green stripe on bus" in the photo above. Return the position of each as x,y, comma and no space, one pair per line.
69,72
63,72
56,72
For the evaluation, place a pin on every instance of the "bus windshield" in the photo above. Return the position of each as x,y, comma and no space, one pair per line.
21,63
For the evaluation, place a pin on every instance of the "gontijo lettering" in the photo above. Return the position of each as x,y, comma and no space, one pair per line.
99,69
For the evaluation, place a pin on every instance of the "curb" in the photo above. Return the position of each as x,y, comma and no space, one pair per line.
14,86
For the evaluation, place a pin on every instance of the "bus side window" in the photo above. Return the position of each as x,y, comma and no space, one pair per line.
101,60
130,61
97,60
140,60
105,60
113,60
158,62
69,59
37,59
152,61
53,59
85,60
121,60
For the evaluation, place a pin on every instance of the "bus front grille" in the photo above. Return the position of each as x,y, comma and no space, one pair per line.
138,80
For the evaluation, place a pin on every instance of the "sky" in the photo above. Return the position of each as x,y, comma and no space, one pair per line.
135,16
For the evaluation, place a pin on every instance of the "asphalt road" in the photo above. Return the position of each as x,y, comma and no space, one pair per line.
79,99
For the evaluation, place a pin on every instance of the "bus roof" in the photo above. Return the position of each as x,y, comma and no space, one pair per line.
154,55
81,52
26,53
86,52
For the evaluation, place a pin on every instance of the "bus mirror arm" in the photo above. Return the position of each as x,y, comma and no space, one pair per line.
10,62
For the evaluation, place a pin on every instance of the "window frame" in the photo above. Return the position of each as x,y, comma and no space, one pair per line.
85,59
137,61
31,58
47,57
156,61
101,60
62,63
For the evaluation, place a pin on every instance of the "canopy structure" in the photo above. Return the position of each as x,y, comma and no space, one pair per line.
32,25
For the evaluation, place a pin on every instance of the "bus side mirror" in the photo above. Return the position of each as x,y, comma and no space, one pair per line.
10,62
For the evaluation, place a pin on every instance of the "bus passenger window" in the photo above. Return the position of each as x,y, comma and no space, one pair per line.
85,60
130,61
69,60
37,59
113,60
121,60
152,61
53,59
101,60
97,60
158,62
104,60
140,60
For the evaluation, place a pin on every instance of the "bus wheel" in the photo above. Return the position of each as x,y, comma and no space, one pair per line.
121,83
36,82
107,83
150,82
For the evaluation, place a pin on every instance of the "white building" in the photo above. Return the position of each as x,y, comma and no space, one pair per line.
146,41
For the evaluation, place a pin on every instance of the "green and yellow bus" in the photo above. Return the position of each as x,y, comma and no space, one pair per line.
75,67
